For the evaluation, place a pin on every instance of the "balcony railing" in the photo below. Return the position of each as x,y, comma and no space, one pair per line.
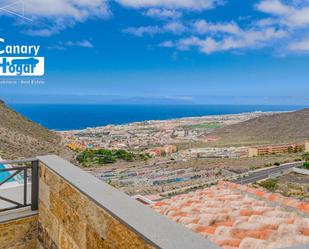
76,205
140,223
25,174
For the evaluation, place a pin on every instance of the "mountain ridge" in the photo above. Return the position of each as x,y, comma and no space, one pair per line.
20,137
276,128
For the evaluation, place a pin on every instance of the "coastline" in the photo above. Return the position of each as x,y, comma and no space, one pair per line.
161,121
65,117
153,136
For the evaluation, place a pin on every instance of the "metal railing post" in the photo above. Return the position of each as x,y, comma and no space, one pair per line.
25,185
35,185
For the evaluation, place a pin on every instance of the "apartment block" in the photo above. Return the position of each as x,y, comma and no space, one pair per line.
277,149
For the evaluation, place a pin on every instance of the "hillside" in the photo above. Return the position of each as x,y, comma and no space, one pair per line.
20,137
276,128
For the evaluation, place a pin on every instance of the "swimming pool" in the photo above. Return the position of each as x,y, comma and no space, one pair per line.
4,175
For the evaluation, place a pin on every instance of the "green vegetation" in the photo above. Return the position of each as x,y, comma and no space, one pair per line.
294,150
291,185
305,156
103,156
269,184
306,165
205,126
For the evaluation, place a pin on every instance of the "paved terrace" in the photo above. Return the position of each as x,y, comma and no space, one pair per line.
236,216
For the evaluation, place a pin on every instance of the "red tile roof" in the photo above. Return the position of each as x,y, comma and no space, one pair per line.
236,216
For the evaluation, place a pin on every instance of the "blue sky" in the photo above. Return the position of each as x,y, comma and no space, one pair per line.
175,51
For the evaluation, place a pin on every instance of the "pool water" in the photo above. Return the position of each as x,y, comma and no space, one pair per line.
4,175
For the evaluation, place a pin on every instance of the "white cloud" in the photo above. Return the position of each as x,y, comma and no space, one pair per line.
284,21
160,13
52,16
171,4
207,45
300,46
170,27
243,40
266,22
292,15
275,7
177,27
144,30
167,44
219,36
63,45
174,27
203,27
83,43
41,32
77,10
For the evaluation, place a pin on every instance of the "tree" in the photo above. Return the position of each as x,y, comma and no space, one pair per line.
305,156
269,184
306,165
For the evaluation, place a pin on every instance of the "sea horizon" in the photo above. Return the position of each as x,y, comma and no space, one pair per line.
61,117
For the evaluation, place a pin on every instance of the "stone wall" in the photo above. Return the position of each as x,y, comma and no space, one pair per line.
19,233
68,219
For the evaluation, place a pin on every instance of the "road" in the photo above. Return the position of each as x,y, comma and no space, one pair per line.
263,174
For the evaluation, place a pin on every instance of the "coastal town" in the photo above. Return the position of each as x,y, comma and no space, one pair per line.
157,158
233,192
154,124
148,135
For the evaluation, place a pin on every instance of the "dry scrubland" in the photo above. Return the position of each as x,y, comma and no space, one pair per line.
276,128
20,137
289,185
243,164
236,165
138,178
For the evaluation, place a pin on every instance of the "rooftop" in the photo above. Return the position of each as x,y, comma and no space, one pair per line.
236,216
71,209
58,205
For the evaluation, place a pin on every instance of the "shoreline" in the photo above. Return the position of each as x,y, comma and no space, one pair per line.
158,121
61,118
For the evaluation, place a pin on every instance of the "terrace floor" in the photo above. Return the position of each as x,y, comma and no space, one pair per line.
15,192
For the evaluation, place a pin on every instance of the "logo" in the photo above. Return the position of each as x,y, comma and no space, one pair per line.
20,60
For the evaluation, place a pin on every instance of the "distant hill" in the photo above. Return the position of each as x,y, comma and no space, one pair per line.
276,128
20,137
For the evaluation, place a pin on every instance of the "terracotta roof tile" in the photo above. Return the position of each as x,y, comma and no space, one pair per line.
235,216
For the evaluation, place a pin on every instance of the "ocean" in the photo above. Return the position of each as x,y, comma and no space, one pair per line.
69,117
